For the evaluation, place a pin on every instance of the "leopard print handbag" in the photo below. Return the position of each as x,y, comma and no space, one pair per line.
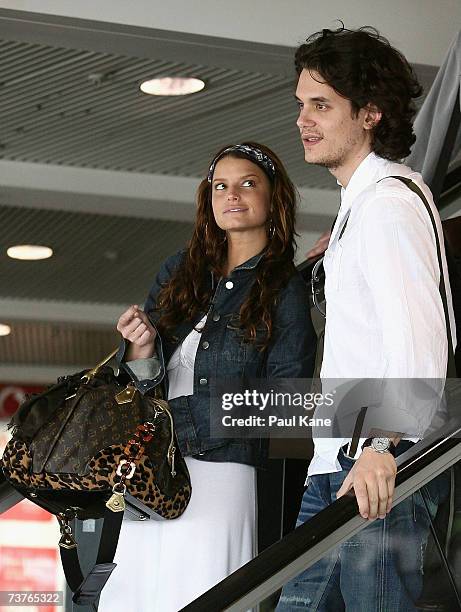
88,446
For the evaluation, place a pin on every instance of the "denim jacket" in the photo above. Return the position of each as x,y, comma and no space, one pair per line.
221,353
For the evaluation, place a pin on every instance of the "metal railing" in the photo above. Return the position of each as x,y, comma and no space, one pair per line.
301,548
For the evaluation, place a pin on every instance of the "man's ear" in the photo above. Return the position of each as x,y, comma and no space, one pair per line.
372,116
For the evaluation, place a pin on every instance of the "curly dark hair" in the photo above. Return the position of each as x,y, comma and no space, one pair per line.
188,292
363,67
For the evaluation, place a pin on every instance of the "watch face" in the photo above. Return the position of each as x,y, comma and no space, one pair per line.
381,444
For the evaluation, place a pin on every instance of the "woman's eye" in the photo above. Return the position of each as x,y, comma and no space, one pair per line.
219,186
249,183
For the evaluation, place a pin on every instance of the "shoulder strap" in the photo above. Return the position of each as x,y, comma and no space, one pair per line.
451,367
344,225
87,589
343,229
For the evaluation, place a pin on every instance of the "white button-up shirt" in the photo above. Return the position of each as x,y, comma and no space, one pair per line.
384,316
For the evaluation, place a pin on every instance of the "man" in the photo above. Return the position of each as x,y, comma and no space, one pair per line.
385,317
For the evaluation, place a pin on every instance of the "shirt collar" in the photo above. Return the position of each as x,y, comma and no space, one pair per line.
369,171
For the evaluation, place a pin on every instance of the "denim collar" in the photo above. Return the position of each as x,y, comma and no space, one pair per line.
251,263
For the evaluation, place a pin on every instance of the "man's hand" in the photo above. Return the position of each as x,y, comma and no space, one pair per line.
135,326
320,246
373,480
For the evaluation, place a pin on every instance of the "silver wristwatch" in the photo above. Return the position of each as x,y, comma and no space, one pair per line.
380,445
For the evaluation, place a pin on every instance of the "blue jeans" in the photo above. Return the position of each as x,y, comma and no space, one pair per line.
380,569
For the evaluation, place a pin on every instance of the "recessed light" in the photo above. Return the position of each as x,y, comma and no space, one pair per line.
5,330
172,86
29,251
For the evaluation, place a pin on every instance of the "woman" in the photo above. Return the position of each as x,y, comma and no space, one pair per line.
233,305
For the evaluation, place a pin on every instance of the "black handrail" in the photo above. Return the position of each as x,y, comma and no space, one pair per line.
308,543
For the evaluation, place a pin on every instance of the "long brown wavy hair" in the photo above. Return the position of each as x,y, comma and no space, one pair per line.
188,292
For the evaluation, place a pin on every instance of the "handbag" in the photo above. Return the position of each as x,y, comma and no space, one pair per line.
88,447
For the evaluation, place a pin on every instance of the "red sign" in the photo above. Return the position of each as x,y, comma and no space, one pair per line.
26,510
29,569
12,395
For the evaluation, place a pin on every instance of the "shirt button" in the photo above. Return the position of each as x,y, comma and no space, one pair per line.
216,316
229,285
203,381
205,345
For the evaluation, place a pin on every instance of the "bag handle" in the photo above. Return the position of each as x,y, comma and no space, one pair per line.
92,373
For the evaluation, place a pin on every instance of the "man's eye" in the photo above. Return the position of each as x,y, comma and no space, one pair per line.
249,182
219,186
299,104
321,107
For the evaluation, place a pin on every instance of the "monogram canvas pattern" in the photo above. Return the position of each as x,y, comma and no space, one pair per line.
169,503
66,448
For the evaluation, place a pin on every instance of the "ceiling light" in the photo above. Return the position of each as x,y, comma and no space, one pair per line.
29,251
4,329
172,86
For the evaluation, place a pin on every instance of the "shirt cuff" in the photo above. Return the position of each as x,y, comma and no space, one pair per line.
145,368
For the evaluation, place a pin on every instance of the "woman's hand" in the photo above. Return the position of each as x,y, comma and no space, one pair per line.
135,326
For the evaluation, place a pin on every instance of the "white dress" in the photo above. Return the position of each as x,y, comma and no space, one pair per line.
164,565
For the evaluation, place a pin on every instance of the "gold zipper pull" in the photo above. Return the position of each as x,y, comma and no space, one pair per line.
171,455
171,447
126,396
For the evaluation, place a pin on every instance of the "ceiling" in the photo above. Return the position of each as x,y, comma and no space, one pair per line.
85,109
105,174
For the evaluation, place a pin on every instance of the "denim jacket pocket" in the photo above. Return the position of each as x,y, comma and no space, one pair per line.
234,346
249,353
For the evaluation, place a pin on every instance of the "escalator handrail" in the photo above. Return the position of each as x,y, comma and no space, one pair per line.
309,542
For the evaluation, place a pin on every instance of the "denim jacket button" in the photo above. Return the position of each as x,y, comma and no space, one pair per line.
229,285
205,345
203,381
216,316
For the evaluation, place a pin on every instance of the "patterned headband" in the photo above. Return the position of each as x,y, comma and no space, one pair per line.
254,154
